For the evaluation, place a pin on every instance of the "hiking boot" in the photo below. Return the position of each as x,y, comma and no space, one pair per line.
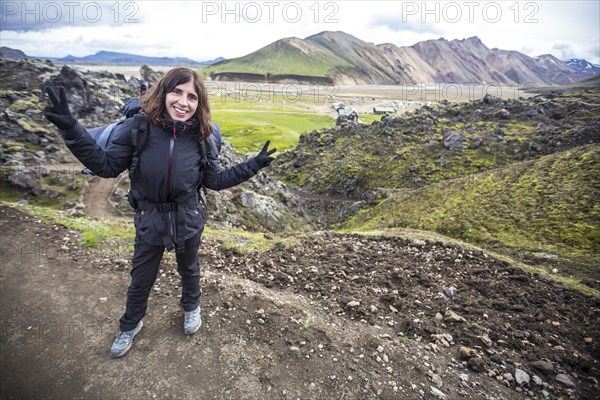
123,342
192,321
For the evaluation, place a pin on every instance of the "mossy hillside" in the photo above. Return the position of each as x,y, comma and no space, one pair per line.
438,143
281,58
24,75
25,110
54,190
548,205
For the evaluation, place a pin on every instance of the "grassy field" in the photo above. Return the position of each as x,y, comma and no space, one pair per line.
248,122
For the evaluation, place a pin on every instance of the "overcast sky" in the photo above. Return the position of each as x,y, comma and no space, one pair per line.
204,30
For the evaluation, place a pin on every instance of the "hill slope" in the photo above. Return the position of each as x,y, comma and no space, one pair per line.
285,57
547,205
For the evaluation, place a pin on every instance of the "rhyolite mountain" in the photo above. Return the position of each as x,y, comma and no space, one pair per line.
344,59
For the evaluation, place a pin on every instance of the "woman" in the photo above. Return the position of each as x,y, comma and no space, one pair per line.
165,183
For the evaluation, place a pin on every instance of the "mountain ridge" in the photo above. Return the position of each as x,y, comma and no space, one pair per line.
112,58
466,60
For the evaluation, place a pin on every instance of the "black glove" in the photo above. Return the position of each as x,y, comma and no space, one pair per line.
58,113
263,159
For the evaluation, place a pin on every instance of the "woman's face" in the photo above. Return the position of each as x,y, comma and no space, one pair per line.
182,102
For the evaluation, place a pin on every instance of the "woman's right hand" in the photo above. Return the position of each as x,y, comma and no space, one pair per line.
58,113
264,159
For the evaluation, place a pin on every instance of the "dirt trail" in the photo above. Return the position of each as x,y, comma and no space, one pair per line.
280,326
96,197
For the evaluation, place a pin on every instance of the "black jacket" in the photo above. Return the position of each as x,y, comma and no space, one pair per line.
169,168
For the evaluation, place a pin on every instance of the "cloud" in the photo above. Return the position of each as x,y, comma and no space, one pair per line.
589,51
394,23
207,29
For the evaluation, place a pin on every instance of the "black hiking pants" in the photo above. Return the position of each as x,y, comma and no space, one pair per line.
146,262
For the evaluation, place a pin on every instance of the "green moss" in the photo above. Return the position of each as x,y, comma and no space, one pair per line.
61,194
12,147
31,126
93,231
26,104
543,205
9,193
245,241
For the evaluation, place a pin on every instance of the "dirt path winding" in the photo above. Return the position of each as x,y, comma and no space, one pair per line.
97,197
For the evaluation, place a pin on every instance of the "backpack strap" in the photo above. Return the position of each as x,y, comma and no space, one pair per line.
204,149
209,147
217,136
139,137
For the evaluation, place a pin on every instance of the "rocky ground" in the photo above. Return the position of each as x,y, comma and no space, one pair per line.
326,316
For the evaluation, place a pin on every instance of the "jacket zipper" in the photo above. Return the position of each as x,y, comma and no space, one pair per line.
170,224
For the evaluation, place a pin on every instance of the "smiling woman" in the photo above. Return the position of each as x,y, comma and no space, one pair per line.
167,173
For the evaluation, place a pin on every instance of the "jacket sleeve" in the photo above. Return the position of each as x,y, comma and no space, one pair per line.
218,178
106,163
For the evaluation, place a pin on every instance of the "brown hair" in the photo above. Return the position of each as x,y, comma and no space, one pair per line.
153,101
